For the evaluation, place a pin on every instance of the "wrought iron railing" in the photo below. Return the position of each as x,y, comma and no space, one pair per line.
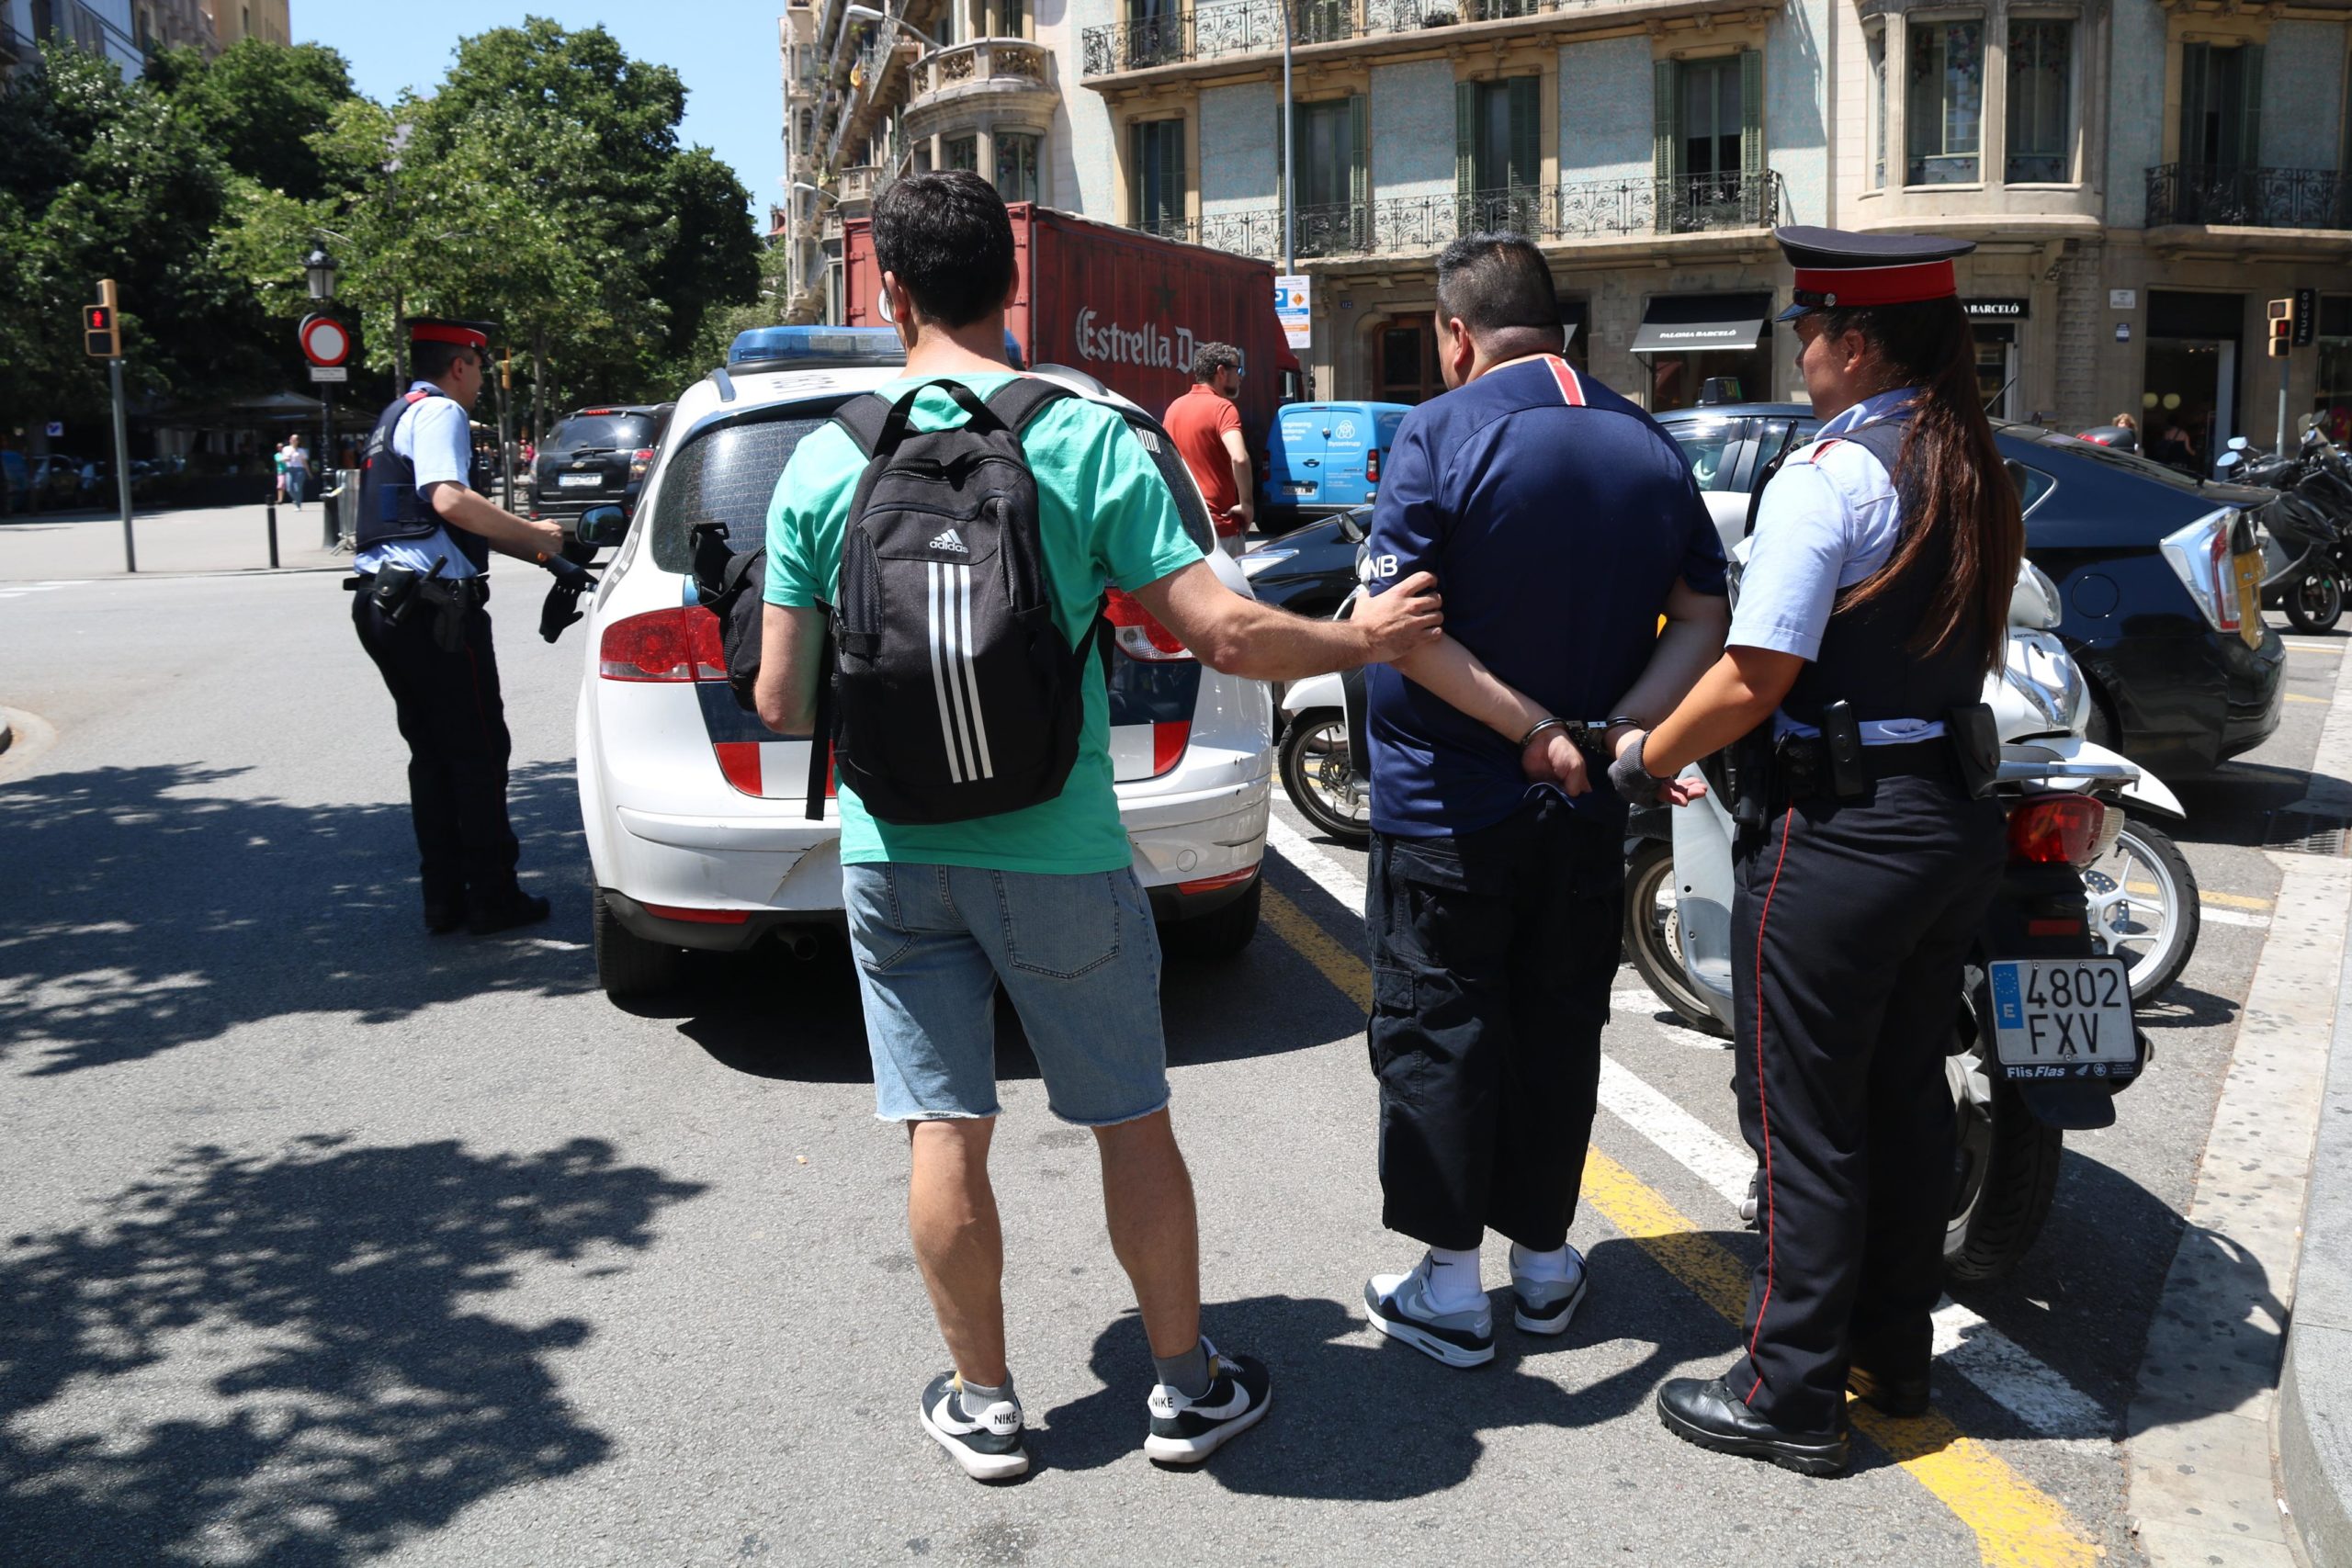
1576,209
1255,27
2254,198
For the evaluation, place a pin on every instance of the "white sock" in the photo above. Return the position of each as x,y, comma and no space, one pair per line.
1550,1266
1454,1279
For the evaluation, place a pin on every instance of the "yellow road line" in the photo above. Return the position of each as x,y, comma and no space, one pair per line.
2205,896
2015,1524
2298,698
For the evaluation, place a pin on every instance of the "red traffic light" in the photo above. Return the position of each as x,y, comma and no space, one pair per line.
96,319
101,334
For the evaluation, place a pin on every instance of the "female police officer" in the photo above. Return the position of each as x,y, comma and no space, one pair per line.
1874,602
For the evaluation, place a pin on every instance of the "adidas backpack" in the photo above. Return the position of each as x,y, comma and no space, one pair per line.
952,693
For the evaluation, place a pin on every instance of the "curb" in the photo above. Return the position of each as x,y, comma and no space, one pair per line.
2314,1414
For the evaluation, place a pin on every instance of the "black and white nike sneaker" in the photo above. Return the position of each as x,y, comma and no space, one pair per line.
1400,1306
1545,1306
1186,1430
987,1442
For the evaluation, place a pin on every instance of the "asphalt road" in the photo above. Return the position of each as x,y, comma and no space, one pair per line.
329,1242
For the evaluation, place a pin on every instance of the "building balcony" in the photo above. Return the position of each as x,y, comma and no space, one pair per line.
947,87
857,187
1229,30
2201,195
1573,212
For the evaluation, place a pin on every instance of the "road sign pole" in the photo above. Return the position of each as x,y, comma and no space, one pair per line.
122,467
2281,448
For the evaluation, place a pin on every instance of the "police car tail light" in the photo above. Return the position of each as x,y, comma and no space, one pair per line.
2057,830
678,643
1138,635
2199,556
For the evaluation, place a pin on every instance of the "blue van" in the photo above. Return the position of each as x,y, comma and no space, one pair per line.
1325,458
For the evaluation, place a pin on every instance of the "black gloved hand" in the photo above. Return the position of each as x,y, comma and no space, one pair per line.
559,609
567,573
1632,779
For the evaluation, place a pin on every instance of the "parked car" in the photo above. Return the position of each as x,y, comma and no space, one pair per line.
598,457
2158,571
1308,570
695,815
1325,458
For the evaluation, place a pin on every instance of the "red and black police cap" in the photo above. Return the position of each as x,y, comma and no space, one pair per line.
1838,268
466,334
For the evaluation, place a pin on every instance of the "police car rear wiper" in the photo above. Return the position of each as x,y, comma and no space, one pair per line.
592,451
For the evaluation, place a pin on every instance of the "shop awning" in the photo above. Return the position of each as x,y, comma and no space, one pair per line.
1697,323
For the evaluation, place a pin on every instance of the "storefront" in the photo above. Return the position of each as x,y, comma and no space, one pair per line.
1994,323
2189,397
2331,397
1687,340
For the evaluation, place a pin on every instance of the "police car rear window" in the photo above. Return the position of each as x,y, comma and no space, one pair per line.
725,475
624,432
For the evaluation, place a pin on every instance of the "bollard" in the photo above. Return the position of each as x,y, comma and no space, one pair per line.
273,529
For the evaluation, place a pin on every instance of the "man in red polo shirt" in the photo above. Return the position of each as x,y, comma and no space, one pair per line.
1206,429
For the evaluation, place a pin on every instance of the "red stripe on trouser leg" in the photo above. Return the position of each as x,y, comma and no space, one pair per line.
1764,1109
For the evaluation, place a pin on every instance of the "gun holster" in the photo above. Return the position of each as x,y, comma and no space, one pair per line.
395,591
1975,747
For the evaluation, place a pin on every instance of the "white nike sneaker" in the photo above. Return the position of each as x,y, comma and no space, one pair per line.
1398,1305
988,1445
1186,1430
1545,1306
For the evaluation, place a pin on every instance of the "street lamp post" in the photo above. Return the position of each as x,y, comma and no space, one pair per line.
874,13
319,269
1290,165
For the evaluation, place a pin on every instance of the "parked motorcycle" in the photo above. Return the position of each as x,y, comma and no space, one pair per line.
2307,551
1322,759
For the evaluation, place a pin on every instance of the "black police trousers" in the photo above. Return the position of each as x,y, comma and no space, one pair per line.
1850,927
1492,957
455,723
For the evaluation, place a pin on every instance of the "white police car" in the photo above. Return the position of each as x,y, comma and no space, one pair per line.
697,815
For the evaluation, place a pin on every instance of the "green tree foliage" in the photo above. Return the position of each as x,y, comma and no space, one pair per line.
258,106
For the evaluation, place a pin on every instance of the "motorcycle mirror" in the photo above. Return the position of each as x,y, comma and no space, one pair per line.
2239,444
2306,423
1351,527
602,525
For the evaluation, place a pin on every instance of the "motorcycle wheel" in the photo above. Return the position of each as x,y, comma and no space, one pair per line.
2315,603
2004,1167
2143,909
1653,938
1319,776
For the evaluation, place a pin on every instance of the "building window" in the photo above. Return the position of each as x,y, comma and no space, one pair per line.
1155,164
1709,147
2220,106
1334,184
2041,75
1497,152
962,152
1944,109
1016,165
1013,18
1874,46
2333,403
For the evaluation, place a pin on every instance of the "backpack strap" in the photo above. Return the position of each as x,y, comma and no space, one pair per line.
862,418
1023,398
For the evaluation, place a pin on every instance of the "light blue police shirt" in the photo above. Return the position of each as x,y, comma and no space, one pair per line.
1828,520
437,440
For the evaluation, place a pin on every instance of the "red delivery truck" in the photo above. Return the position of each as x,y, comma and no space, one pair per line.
1127,307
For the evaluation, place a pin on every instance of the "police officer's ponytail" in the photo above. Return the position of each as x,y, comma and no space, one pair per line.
1948,473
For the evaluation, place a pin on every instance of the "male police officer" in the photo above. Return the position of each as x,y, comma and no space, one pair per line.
425,534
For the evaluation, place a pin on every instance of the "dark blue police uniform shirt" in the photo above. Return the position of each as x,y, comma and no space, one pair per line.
1556,532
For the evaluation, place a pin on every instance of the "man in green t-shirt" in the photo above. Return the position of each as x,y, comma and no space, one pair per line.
1042,900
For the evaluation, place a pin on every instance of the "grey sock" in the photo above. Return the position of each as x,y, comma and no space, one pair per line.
976,1398
1188,1375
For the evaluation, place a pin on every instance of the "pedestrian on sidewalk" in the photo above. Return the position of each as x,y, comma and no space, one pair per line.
944,907
1564,523
1874,602
298,469
277,469
1205,425
424,538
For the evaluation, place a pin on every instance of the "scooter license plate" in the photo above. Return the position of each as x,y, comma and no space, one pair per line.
2064,1018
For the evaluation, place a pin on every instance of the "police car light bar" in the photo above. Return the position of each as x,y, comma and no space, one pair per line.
812,348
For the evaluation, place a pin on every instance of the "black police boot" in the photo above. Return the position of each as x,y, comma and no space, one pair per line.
1708,1415
1897,1393
443,915
506,913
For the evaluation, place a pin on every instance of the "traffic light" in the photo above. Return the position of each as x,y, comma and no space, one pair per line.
2282,328
101,331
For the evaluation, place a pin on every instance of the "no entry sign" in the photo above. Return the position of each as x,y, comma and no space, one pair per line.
323,340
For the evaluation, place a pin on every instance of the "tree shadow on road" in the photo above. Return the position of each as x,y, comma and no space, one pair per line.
280,1360
151,907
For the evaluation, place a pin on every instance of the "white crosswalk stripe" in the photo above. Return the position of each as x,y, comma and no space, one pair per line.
2012,1376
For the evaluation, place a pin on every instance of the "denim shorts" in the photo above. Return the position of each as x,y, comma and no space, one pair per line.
1078,956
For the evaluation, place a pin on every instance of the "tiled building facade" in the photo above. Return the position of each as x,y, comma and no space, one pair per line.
2141,178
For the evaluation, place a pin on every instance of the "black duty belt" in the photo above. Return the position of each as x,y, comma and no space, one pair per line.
464,592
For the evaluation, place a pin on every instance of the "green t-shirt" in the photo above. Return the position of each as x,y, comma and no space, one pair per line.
1104,515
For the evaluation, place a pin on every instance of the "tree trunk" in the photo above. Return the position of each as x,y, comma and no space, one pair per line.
400,347
538,385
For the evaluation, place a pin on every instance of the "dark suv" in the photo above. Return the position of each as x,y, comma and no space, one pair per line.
597,457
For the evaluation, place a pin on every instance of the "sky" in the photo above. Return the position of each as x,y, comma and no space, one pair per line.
726,56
